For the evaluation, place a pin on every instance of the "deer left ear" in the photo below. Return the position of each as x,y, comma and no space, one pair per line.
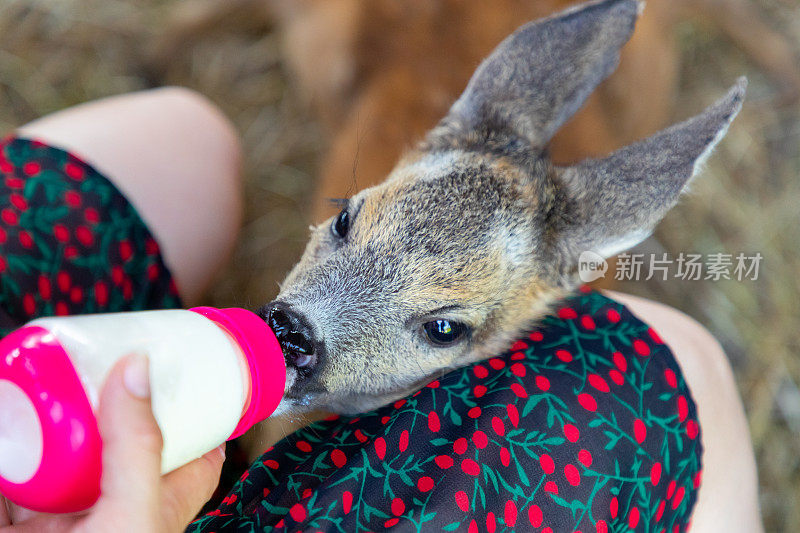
615,202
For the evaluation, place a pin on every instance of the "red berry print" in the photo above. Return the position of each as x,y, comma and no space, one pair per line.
692,429
360,436
475,412
433,384
671,489
613,316
598,383
480,440
633,518
497,363
620,362
571,432
25,239
460,446
399,403
31,169
3,235
391,523
660,510
551,487
587,323
536,336
29,304
72,199
91,215
535,515
272,464
678,497
639,430
117,274
587,401
585,458
520,391
547,464
491,522
655,336
462,500
152,272
564,355
101,293
425,483
380,448
641,347
125,250
443,461
297,512
510,514
61,309
616,377
403,444
670,378
542,383
601,527
505,456
683,408
470,467
63,281
479,391
480,371
655,473
61,233
567,313
338,458
513,414
9,217
398,506
572,475
518,346
433,422
74,171
44,287
3,264
518,369
613,507
498,426
18,201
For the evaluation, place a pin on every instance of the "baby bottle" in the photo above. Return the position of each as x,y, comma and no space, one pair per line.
214,373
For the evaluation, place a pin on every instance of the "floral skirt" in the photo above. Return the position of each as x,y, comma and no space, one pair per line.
584,424
70,242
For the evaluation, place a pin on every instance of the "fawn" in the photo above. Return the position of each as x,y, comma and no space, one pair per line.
475,233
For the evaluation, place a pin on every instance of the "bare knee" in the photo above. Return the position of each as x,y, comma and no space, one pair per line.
728,499
176,157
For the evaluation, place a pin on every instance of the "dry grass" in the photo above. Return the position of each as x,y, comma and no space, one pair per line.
56,54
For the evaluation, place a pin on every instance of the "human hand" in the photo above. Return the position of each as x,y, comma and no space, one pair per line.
133,494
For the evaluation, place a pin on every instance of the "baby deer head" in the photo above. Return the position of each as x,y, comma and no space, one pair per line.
474,233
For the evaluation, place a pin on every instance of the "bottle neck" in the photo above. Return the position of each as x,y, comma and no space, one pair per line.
266,367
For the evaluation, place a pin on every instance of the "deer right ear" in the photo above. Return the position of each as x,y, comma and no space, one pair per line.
538,77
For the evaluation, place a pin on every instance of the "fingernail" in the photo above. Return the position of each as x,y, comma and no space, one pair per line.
137,376
221,449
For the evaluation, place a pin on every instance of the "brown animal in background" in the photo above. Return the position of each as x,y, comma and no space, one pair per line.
382,72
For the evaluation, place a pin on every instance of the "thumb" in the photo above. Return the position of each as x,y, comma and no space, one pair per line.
131,445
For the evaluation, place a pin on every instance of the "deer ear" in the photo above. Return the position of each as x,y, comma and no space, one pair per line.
538,77
615,202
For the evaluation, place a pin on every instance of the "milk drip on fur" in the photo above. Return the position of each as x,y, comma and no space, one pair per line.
214,373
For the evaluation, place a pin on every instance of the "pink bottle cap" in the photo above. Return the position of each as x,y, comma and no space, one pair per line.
50,449
264,359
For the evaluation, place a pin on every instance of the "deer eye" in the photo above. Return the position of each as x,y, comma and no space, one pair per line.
341,224
444,332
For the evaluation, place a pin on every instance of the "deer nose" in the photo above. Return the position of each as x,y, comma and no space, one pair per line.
294,334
